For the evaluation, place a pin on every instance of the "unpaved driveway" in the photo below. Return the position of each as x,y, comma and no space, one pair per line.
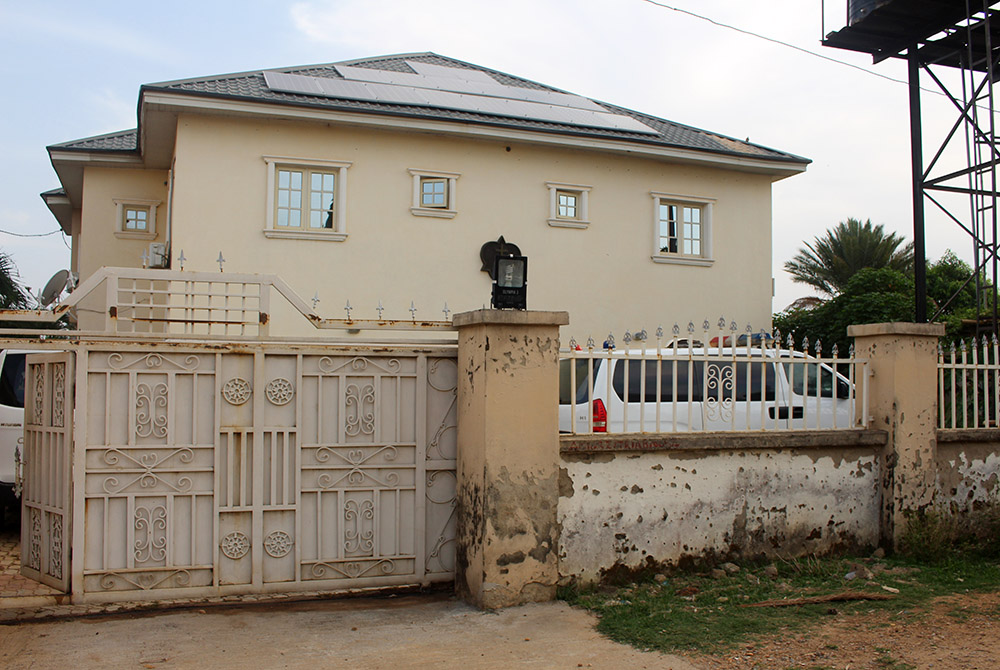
397,633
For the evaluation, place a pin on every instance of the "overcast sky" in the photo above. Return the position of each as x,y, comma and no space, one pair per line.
73,69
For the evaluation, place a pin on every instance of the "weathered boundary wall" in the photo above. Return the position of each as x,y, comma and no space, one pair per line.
968,468
628,502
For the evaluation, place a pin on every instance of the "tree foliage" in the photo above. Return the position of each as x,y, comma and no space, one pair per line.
829,263
12,295
883,295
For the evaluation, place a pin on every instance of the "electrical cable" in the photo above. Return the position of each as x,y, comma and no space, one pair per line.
785,44
51,232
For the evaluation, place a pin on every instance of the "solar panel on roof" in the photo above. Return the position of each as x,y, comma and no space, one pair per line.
442,79
445,99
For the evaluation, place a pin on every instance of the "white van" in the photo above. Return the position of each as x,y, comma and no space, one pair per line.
11,420
693,389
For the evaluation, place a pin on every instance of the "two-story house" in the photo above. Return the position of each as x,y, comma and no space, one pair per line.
379,181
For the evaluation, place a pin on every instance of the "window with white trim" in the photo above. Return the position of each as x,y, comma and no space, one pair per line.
136,218
434,193
568,205
682,229
306,198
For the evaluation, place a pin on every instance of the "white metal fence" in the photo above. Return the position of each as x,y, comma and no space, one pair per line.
719,380
969,384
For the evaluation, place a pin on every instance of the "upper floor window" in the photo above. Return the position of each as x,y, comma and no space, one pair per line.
136,218
682,229
306,198
434,193
568,205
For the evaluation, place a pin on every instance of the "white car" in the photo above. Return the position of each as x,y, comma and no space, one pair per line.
698,389
11,421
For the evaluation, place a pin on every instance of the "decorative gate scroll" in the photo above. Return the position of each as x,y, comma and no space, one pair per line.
260,467
47,501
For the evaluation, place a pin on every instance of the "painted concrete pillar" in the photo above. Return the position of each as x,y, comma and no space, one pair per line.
508,456
903,402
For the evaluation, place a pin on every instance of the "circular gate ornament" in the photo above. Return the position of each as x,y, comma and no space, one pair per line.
278,544
235,545
279,391
236,391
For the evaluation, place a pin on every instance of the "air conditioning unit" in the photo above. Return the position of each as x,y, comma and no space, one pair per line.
158,257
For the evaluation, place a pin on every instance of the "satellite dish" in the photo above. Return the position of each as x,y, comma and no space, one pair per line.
54,288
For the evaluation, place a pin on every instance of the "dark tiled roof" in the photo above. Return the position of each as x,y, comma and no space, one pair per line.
250,86
123,140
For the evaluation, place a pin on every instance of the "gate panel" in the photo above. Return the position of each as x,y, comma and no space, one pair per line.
47,497
267,469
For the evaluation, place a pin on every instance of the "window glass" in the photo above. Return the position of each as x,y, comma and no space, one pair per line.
12,381
690,378
802,378
136,219
679,229
582,386
567,205
305,195
433,193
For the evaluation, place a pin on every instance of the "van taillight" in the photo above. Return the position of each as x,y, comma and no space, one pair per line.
600,417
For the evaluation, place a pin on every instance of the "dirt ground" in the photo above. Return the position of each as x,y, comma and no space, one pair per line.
405,633
957,633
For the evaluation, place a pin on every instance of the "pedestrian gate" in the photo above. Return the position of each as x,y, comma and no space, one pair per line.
238,468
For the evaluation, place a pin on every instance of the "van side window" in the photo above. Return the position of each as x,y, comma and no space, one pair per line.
12,381
690,378
802,378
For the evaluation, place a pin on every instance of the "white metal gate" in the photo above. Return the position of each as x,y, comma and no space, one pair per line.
46,518
248,468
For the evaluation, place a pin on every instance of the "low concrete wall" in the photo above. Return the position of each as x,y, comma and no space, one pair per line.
968,463
631,501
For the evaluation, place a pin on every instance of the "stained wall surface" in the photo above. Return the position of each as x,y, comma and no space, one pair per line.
638,509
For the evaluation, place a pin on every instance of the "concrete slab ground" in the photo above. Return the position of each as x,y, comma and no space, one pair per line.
401,633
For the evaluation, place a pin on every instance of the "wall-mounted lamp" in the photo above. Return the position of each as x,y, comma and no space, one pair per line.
510,282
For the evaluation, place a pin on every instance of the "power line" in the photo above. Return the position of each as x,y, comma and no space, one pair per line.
51,232
779,42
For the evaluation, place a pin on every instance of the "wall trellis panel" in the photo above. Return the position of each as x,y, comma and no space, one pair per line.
260,468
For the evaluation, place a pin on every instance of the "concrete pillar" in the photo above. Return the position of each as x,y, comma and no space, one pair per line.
903,402
508,456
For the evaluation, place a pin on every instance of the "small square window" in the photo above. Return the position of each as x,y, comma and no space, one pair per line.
434,193
136,218
568,205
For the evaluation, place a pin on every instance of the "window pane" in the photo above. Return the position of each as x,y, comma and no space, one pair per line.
282,217
297,181
283,178
296,199
328,182
294,217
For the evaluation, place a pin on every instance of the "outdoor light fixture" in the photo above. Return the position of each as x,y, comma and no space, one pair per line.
510,282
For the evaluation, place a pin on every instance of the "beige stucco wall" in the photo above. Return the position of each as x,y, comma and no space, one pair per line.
634,510
602,275
96,244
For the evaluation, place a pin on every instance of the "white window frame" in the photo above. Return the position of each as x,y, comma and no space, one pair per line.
338,233
706,205
122,205
582,193
450,208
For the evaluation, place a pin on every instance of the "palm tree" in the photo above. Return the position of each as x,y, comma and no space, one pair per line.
831,260
12,295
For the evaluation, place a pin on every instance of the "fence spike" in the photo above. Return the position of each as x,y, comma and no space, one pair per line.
348,308
572,344
413,311
610,342
834,350
221,261
733,327
962,346
722,322
805,344
446,310
380,309
315,299
627,338
690,327
706,325
676,330
181,259
659,332
818,347
590,342
850,352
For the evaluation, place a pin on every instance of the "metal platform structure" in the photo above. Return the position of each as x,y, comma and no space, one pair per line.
956,44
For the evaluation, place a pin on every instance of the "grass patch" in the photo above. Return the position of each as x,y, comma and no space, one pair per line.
696,612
